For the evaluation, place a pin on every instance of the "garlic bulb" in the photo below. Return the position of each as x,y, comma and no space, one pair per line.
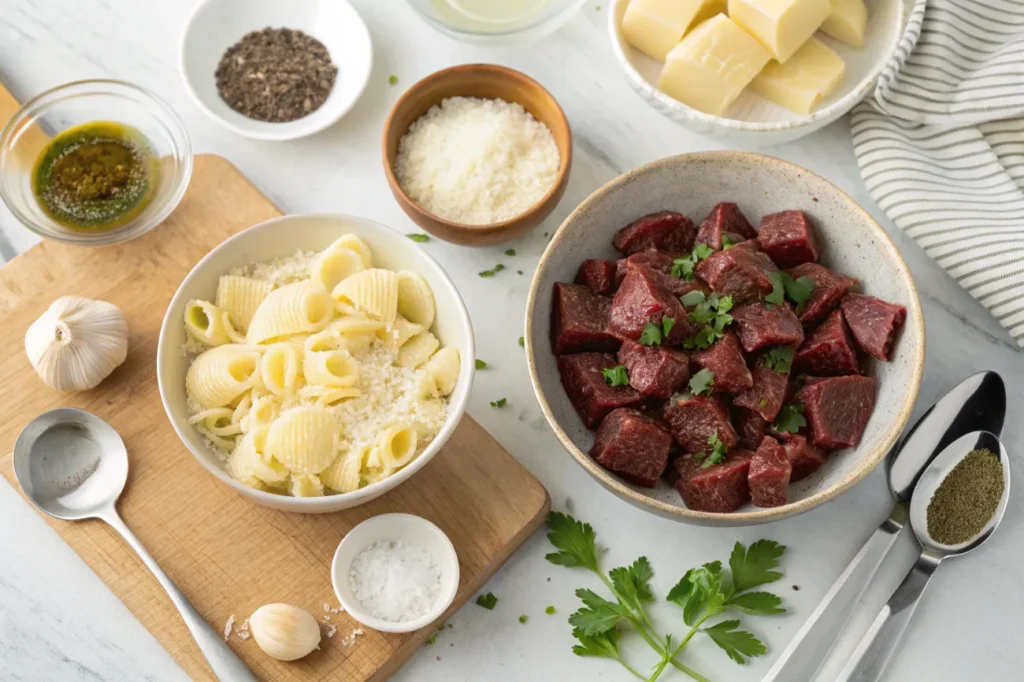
77,343
284,632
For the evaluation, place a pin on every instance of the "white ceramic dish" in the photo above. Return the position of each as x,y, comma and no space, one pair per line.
752,119
546,17
393,528
215,25
282,237
851,243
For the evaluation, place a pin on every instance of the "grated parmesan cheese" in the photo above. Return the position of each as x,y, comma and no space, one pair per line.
477,161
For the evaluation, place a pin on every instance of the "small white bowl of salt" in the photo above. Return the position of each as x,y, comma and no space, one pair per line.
395,572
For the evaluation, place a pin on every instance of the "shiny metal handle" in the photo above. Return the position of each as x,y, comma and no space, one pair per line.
226,665
810,647
879,643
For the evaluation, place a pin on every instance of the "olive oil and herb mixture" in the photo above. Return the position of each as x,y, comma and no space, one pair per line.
276,75
96,176
967,498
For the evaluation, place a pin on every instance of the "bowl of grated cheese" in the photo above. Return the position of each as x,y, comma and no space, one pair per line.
477,154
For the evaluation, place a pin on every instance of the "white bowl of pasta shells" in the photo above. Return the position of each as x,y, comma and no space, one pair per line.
313,363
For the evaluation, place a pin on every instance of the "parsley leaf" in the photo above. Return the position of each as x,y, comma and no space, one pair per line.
692,298
702,251
778,295
727,242
634,582
683,268
486,273
616,376
522,341
493,271
666,325
523,618
799,290
651,335
713,312
575,540
431,639
488,601
703,339
717,454
480,364
699,591
738,644
510,252
417,237
550,610
597,615
757,603
605,645
702,381
779,358
500,402
763,402
755,565
392,79
790,418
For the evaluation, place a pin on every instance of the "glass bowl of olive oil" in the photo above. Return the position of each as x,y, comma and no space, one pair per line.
94,162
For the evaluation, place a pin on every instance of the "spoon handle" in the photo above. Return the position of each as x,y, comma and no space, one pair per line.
226,665
816,637
879,643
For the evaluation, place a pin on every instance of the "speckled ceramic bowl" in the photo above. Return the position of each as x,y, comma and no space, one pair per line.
851,242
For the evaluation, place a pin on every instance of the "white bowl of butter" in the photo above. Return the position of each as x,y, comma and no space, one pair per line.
749,117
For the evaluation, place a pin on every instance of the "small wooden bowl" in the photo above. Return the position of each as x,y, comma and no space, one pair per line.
490,82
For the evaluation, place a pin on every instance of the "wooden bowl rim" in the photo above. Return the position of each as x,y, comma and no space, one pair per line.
496,72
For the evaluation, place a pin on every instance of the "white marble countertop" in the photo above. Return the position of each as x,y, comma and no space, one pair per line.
59,622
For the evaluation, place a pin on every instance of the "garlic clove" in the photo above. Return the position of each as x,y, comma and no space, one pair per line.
77,343
284,632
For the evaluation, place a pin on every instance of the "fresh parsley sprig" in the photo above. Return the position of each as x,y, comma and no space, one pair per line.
683,267
702,382
703,593
798,290
652,334
616,376
716,455
712,312
790,418
779,358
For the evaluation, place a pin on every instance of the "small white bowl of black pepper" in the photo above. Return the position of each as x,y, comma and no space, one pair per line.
273,69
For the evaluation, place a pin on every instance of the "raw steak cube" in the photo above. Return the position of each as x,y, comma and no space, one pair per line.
805,458
579,320
641,299
838,409
829,287
741,272
665,231
694,419
587,388
720,488
654,370
597,275
828,351
874,323
788,238
760,325
652,258
725,218
770,470
750,427
768,392
725,359
632,445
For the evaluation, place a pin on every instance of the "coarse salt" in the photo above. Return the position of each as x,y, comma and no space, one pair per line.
395,581
477,161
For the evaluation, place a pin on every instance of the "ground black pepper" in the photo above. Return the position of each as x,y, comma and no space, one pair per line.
966,499
276,75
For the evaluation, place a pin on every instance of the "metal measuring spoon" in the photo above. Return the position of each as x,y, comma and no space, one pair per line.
879,643
976,403
73,465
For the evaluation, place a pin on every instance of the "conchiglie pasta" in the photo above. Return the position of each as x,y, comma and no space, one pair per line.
325,396
354,243
415,299
209,324
373,292
240,297
397,446
417,350
356,332
344,474
264,410
334,265
401,331
304,439
281,368
222,374
443,367
330,368
306,485
302,307
250,460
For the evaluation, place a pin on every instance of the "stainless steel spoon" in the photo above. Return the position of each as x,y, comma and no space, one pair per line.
73,465
976,403
880,642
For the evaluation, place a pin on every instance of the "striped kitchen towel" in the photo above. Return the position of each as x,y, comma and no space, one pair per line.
941,145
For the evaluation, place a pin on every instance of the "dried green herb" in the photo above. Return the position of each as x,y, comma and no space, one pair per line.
966,499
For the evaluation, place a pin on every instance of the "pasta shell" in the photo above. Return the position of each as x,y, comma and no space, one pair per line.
356,332
415,299
345,472
373,292
330,368
302,307
334,265
265,409
354,243
221,374
209,324
306,485
327,395
401,331
444,368
304,439
239,297
397,446
281,368
417,350
250,460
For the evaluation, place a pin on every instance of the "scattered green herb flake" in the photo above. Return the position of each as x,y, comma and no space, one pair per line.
500,402
480,364
798,290
487,273
519,272
790,418
523,618
779,358
499,267
550,610
392,79
763,402
510,252
616,376
702,251
717,453
432,639
522,341
727,243
493,271
778,295
418,237
488,601
651,335
702,381
666,325
693,298
683,268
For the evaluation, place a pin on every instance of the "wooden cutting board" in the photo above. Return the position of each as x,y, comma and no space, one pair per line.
228,555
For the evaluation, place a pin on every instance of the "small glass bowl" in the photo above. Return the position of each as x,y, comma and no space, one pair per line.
540,24
30,130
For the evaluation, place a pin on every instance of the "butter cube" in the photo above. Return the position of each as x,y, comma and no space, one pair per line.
847,22
808,77
710,67
782,26
656,26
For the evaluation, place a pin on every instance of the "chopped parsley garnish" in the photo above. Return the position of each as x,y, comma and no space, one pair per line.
480,364
683,267
717,454
616,376
702,251
784,286
652,334
702,381
779,358
522,341
726,242
713,312
510,252
392,79
666,325
488,601
790,419
550,610
418,237
523,618
431,639
693,298
500,402
519,272
763,402
493,271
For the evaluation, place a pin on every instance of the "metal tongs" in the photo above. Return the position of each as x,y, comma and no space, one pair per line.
977,404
